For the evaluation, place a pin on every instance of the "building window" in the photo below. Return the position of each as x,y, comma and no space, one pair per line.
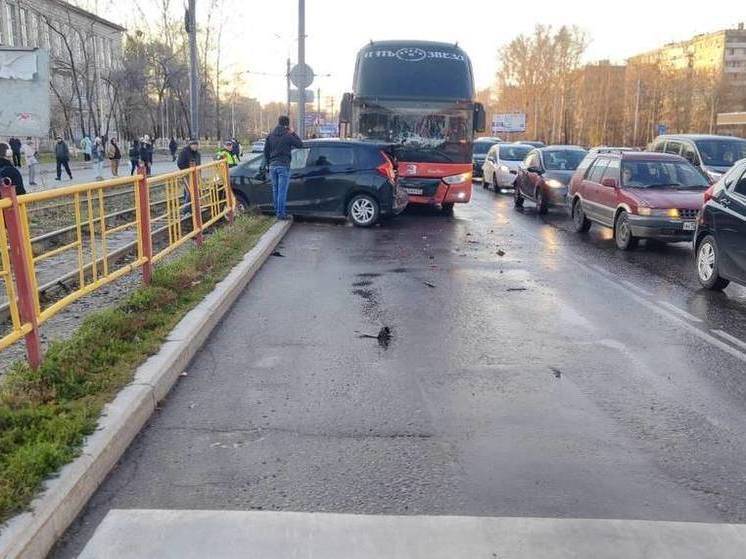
12,17
2,22
24,30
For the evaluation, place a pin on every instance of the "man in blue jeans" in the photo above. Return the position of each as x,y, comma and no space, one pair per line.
277,151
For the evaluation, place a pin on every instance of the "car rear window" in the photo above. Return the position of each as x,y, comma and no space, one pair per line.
325,156
597,169
514,152
369,157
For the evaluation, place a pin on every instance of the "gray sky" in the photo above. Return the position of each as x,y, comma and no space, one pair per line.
259,34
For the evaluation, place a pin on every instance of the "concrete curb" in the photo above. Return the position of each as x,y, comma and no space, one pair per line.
32,534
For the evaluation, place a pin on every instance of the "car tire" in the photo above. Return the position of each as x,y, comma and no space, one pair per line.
623,236
485,184
517,196
706,262
363,210
580,222
447,209
541,202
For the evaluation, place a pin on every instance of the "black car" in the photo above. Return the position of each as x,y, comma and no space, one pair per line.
720,239
479,153
328,178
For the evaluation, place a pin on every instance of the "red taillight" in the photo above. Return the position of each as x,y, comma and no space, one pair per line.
708,193
387,168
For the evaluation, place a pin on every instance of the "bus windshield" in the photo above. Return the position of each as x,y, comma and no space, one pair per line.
425,131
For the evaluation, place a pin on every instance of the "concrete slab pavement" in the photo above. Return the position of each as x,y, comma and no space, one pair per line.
186,534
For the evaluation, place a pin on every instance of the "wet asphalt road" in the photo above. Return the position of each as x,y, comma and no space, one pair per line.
560,379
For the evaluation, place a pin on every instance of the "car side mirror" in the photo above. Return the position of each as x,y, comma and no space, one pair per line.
537,170
480,118
611,183
345,108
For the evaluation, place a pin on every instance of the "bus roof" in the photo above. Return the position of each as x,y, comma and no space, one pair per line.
421,70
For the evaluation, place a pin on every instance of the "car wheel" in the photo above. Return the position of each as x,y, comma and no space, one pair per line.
242,203
707,265
363,210
623,236
447,209
485,184
541,202
517,197
580,221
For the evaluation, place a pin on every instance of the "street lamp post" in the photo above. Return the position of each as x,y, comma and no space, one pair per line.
193,62
301,63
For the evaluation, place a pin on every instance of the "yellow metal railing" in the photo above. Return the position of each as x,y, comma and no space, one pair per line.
98,221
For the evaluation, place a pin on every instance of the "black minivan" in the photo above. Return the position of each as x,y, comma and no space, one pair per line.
720,239
328,178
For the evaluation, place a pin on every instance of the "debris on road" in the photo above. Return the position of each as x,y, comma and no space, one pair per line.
517,289
432,285
557,372
383,337
278,253
500,252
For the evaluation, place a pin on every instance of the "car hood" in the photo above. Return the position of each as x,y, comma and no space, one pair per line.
512,165
668,198
561,176
721,170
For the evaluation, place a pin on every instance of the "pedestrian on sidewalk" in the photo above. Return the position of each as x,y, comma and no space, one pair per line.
98,154
146,153
62,156
86,146
15,148
173,147
236,149
189,156
114,154
134,155
277,150
8,170
29,151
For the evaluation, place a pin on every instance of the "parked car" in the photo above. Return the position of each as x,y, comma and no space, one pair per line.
720,240
544,175
502,165
258,146
639,195
713,154
479,153
328,178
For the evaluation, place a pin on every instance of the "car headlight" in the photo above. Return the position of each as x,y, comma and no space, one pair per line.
456,179
554,183
670,212
504,169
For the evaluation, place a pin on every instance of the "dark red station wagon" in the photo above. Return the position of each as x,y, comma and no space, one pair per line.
640,195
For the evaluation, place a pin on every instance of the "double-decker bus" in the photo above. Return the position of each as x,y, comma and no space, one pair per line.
418,96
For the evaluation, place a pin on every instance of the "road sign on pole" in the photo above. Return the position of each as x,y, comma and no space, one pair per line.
301,75
294,96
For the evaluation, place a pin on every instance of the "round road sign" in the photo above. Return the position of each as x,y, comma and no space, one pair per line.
301,75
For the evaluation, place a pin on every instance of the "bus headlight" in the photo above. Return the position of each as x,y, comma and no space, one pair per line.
456,179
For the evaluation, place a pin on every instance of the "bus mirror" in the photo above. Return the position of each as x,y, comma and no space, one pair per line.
480,119
345,108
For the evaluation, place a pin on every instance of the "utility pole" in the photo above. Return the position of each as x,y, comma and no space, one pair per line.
301,63
637,114
287,76
193,63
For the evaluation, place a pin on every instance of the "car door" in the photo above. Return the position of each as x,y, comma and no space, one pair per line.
330,169
531,178
608,196
298,170
592,188
730,226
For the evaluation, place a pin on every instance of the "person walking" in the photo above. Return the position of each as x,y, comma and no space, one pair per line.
226,152
62,156
146,153
15,148
173,147
86,146
189,156
29,151
98,154
115,155
8,169
277,150
134,155
236,149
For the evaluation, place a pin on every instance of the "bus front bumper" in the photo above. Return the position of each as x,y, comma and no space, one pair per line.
445,194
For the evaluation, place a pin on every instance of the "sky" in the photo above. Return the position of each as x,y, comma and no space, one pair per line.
259,35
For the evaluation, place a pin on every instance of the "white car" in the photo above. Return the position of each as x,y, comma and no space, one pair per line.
502,164
257,147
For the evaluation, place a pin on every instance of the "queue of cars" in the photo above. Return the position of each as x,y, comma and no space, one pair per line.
684,188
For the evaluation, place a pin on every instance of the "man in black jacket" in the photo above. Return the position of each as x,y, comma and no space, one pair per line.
189,156
15,146
8,170
277,151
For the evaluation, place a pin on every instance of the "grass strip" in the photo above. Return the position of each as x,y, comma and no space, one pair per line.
46,414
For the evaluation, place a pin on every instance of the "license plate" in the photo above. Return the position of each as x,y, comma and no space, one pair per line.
413,191
689,226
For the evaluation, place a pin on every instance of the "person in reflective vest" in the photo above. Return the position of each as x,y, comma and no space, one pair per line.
226,152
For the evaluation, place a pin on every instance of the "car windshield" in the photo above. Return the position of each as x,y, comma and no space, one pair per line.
721,152
514,153
563,160
251,165
662,174
480,148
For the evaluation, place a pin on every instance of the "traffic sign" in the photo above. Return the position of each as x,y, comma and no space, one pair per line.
509,122
661,129
309,96
301,75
